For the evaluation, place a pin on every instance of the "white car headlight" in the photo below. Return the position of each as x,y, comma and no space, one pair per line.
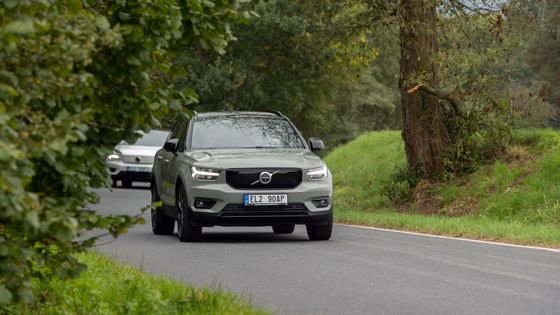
204,173
318,172
114,156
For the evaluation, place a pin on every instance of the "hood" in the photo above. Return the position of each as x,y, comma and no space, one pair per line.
258,158
137,150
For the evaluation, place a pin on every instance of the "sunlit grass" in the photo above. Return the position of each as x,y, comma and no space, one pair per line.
108,287
514,200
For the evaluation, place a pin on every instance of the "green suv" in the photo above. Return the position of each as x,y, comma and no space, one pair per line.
240,169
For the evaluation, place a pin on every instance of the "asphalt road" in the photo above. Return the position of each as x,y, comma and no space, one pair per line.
359,271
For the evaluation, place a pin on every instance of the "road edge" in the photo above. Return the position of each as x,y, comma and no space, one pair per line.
450,237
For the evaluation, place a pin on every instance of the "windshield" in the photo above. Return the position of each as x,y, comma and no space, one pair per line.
154,138
244,132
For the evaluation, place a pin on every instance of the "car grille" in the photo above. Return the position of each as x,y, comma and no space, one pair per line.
138,159
235,210
249,178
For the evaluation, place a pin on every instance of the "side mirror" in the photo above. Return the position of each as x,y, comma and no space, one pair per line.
171,145
316,144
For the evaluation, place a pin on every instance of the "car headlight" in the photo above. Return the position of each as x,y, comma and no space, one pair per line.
318,172
204,173
114,156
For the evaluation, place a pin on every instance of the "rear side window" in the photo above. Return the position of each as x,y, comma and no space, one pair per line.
244,132
174,134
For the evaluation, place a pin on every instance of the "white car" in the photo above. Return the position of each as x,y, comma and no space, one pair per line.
133,162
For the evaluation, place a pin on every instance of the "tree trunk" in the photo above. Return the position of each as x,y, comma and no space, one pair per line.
424,133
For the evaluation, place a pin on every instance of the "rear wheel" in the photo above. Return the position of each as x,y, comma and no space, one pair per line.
320,232
126,183
283,229
185,231
114,183
161,224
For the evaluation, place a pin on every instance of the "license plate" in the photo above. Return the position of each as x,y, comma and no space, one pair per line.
137,169
265,200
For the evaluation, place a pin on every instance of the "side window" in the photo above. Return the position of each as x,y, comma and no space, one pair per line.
183,136
174,134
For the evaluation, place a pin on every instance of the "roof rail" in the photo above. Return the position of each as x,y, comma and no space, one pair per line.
278,113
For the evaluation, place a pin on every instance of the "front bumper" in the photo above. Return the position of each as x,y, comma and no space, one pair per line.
229,208
260,217
120,170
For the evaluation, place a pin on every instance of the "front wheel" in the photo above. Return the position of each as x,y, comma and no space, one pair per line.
320,232
161,224
185,231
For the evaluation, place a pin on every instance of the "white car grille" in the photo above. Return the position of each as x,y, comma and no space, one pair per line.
138,159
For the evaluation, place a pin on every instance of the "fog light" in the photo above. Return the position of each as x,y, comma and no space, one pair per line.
321,202
202,203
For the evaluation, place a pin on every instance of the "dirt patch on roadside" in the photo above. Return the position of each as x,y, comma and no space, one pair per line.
423,200
461,207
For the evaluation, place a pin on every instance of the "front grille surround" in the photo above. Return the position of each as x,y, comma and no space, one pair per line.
248,178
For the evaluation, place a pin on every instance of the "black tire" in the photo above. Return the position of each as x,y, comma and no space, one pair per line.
283,229
126,183
114,183
320,232
161,224
185,231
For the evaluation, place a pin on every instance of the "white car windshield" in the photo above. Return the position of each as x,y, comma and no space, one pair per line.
244,132
153,138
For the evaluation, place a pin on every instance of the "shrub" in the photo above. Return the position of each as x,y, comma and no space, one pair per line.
75,78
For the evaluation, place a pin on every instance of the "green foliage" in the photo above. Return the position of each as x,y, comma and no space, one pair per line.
471,56
298,58
108,287
514,199
543,50
478,137
403,180
75,78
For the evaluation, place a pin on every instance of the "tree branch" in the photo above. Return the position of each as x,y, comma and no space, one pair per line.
452,101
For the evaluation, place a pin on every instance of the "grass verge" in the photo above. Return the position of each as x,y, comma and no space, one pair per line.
515,200
108,287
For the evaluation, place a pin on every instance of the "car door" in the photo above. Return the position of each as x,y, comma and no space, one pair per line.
174,163
165,159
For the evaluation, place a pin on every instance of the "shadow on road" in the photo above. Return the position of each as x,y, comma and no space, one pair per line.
241,237
249,237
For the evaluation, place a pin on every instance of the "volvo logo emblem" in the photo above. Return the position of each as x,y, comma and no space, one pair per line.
264,178
138,159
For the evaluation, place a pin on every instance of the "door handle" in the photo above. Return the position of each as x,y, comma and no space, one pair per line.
166,160
159,157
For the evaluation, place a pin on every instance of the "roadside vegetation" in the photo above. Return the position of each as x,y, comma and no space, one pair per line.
458,78
108,287
512,199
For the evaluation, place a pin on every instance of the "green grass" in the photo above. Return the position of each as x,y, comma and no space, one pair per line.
108,287
363,167
514,200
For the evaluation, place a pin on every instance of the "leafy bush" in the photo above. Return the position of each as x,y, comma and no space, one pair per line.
75,78
402,182
476,138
